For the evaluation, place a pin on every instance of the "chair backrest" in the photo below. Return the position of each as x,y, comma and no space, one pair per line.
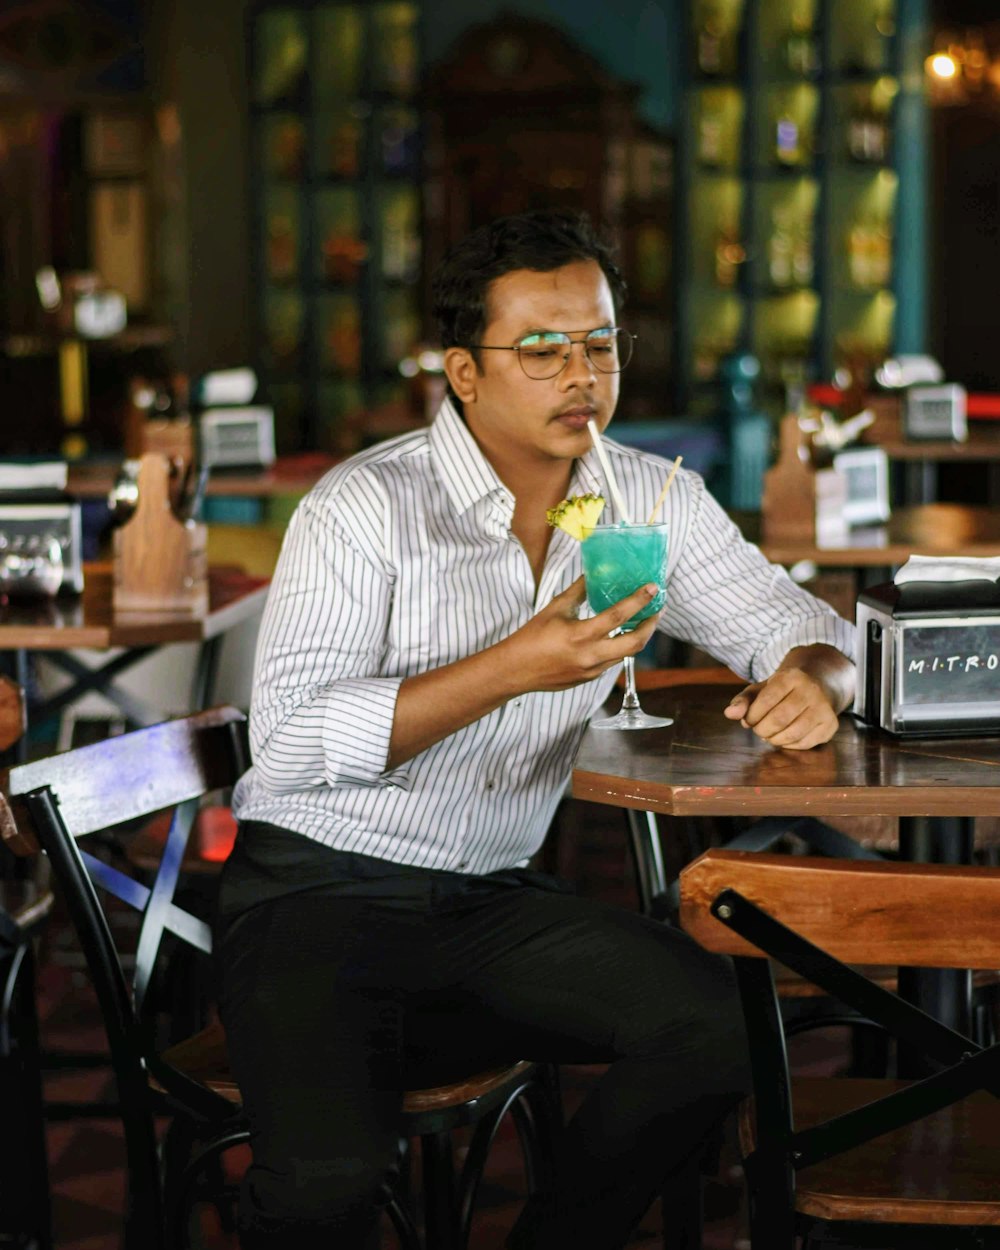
858,911
817,917
113,785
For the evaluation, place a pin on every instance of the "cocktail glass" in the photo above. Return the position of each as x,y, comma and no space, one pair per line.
617,560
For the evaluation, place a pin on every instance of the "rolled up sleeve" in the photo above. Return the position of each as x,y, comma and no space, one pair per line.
727,598
321,713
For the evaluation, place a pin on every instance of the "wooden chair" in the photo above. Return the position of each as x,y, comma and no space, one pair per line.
858,1162
25,904
117,784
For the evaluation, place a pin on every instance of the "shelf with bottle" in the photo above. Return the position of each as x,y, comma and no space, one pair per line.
862,36
337,154
719,119
716,253
862,206
789,40
785,127
863,120
717,27
784,235
784,329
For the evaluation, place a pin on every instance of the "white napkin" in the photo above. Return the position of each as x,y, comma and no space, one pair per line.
41,475
949,569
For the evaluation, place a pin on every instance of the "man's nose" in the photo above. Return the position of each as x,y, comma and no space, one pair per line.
579,363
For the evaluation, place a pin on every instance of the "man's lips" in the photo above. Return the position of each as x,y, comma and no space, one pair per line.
577,417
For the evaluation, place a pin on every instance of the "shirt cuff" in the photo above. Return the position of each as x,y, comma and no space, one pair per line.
832,630
357,726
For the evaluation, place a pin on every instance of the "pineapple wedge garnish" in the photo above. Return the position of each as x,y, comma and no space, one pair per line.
577,515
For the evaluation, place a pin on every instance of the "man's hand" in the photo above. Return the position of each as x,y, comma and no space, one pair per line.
556,650
798,705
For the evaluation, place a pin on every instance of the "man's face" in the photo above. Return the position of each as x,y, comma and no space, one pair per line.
512,414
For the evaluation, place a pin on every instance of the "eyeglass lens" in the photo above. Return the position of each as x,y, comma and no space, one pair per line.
544,355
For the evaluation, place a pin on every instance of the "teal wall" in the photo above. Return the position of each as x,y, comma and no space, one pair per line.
913,153
637,40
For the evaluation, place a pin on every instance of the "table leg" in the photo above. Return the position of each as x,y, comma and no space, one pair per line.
945,993
647,855
203,685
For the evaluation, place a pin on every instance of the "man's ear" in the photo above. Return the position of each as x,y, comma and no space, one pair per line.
462,372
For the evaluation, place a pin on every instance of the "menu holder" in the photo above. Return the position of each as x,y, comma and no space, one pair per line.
160,561
802,503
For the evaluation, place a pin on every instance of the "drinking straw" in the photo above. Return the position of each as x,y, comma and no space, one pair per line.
666,487
595,437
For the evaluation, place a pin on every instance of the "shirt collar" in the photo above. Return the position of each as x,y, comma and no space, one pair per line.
468,476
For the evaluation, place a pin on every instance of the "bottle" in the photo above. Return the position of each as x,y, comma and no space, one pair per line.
787,139
803,259
729,255
711,131
801,49
779,251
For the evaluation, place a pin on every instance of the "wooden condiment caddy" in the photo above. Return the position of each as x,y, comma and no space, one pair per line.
160,561
802,503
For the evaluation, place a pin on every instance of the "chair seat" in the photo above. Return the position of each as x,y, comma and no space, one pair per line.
941,1170
208,846
204,1059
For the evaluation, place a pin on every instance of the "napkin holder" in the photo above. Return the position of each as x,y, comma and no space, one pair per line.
928,658
160,561
801,503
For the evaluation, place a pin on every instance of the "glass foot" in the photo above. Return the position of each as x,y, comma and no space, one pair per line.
632,718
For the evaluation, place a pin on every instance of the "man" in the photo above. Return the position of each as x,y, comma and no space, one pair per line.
425,672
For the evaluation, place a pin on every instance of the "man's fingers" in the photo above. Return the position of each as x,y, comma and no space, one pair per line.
568,601
614,617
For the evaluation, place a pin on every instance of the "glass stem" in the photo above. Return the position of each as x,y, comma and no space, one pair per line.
631,700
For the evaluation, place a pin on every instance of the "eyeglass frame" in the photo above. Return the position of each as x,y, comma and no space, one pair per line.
516,347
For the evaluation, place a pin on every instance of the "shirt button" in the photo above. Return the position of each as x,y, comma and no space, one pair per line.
491,785
464,863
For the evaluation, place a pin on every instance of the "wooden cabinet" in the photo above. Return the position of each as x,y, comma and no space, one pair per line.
520,117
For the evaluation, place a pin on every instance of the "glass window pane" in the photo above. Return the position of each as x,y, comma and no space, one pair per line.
340,136
339,331
401,326
281,55
400,233
341,252
398,140
282,233
283,317
284,146
339,51
396,48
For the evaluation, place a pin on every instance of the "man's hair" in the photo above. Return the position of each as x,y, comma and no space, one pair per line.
542,240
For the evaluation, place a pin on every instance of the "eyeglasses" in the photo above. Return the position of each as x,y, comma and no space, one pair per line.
546,353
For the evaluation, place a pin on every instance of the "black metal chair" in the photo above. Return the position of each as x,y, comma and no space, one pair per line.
25,904
117,784
845,1161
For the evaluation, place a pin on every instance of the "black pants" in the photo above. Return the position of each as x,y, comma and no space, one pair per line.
337,997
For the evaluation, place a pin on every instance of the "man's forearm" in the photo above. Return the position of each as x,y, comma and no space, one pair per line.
829,667
433,705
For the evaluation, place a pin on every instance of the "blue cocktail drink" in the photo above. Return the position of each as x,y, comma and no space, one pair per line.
617,560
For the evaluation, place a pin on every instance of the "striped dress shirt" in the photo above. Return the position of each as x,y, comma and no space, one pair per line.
402,560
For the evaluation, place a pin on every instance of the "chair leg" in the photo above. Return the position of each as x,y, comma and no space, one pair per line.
439,1191
23,1160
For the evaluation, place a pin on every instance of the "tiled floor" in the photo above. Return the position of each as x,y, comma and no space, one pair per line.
86,1156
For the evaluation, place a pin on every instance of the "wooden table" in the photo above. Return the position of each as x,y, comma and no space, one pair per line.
706,765
932,529
58,626
292,475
